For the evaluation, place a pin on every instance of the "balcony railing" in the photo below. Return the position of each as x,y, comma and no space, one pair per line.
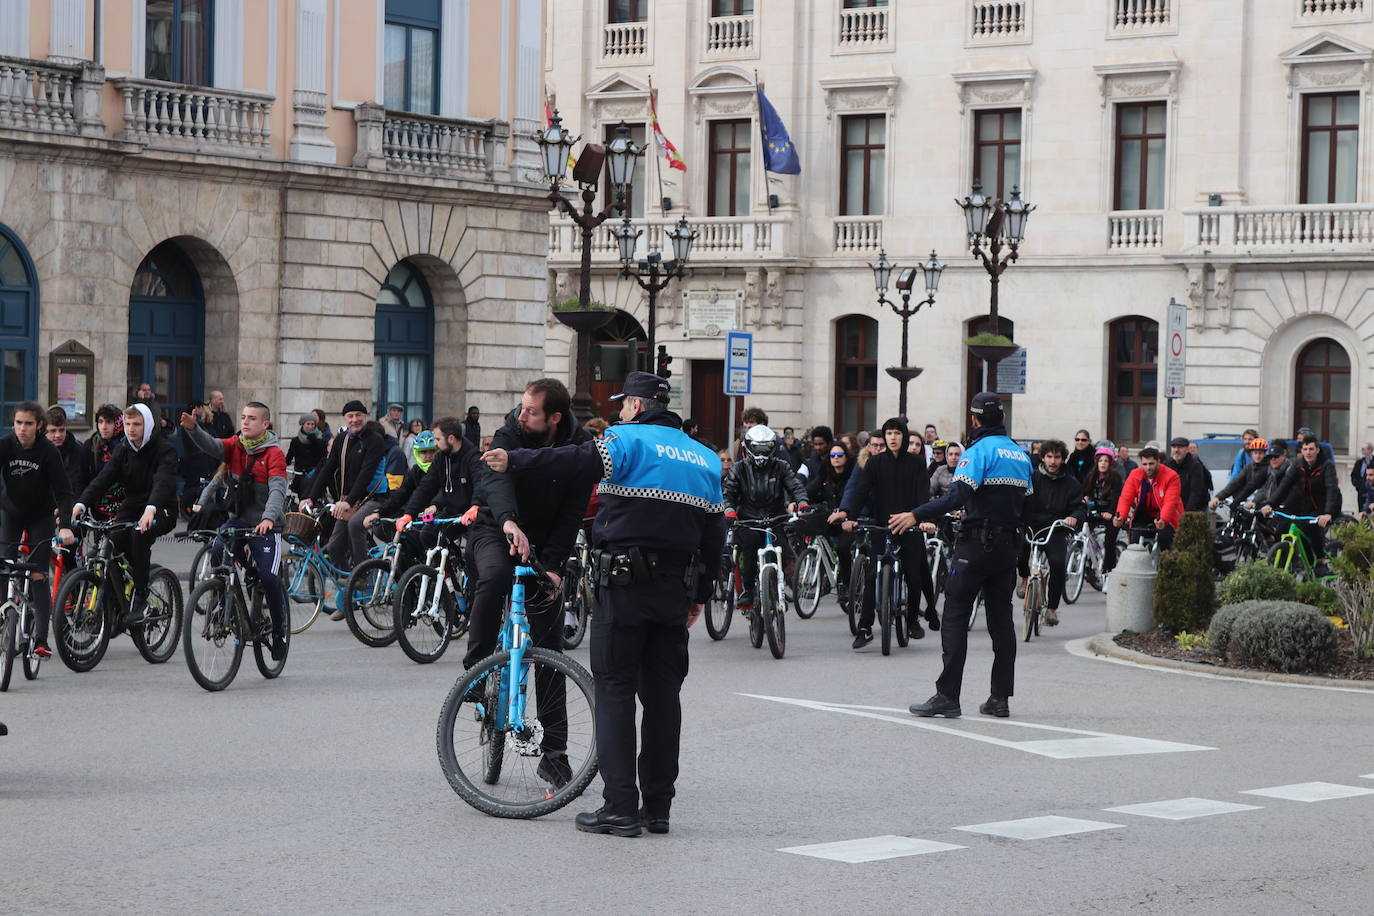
1141,16
1324,9
195,117
399,141
718,238
624,40
1135,230
38,96
996,21
858,233
1309,228
864,27
729,35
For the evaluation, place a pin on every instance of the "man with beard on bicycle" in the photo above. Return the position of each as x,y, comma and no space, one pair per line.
446,488
1056,495
256,475
1310,487
762,486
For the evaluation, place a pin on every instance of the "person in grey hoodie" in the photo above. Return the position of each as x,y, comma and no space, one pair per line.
255,471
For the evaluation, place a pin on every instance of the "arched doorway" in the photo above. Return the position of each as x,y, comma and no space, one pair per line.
167,328
403,344
1322,392
856,374
1132,379
18,323
618,348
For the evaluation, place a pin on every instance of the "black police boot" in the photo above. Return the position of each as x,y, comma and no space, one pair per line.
138,608
653,823
996,706
602,821
938,705
933,619
4,729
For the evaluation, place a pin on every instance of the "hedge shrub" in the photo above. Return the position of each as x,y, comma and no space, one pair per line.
1320,596
1219,633
1257,580
1185,594
1283,635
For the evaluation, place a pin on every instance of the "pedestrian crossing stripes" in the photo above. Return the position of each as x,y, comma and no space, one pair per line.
1182,809
871,849
1039,828
1310,791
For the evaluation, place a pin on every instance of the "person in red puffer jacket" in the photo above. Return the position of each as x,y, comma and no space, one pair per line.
1152,496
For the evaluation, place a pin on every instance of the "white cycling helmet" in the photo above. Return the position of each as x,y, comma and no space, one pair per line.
760,442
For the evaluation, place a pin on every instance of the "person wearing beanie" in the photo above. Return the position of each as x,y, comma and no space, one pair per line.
306,453
353,472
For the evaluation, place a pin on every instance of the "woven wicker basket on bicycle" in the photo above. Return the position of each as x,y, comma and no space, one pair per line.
301,526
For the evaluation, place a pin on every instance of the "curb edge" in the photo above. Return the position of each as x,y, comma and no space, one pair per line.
1103,644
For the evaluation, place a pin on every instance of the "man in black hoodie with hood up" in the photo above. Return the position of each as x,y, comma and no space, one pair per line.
1056,495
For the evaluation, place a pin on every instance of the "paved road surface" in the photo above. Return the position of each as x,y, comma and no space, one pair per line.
130,789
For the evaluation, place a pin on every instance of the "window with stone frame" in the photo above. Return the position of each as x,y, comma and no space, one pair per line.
627,10
1141,134
1330,144
1321,397
1132,379
863,165
178,38
727,191
997,151
856,373
410,76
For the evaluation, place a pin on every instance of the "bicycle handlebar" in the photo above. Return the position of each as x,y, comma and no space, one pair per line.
1296,518
763,524
419,522
93,525
1046,533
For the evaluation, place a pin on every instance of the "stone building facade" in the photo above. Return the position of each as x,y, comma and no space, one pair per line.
246,227
1216,154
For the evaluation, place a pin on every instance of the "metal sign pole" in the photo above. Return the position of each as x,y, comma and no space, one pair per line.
730,429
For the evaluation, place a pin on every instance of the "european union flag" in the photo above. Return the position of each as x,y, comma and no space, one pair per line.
779,155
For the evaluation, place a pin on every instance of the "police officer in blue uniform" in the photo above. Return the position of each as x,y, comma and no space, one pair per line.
990,484
657,544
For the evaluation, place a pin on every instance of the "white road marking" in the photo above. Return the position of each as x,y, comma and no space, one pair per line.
1088,744
1182,809
871,849
1310,791
1039,828
1368,776
1079,647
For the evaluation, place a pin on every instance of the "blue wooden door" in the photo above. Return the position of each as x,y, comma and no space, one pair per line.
18,324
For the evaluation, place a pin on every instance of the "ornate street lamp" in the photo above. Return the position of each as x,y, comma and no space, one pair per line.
992,226
653,274
906,281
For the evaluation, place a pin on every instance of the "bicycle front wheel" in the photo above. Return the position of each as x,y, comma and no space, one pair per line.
884,606
1281,556
367,602
422,614
511,766
1030,617
156,637
78,620
31,662
268,667
201,565
209,635
8,633
1073,570
720,610
580,606
858,583
773,613
809,583
304,589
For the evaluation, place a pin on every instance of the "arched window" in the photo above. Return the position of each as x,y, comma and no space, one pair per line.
1132,379
1322,392
167,328
403,344
18,323
856,374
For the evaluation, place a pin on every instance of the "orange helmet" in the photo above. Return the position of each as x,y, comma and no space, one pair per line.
1258,444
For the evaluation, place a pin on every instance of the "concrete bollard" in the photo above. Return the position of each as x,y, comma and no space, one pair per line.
1131,592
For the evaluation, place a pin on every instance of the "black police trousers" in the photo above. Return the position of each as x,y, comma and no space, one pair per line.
639,648
992,571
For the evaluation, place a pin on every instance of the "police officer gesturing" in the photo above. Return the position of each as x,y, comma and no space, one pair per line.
990,484
658,539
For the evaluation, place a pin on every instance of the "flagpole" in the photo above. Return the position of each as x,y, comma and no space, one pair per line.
767,176
658,166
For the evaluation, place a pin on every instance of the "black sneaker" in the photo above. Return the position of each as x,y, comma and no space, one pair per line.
653,823
138,608
996,706
863,638
278,648
938,705
602,821
745,600
913,626
555,770
933,620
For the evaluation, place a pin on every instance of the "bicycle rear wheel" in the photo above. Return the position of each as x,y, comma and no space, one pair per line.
579,605
422,628
772,613
809,583
1030,616
720,609
1073,572
79,623
884,606
304,589
201,565
498,766
31,662
213,648
156,637
367,602
8,652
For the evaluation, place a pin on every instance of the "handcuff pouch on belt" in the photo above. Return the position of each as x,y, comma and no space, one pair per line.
634,567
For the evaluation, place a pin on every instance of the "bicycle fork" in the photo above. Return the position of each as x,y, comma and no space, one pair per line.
425,604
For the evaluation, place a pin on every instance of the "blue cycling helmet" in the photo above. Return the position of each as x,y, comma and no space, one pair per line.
424,442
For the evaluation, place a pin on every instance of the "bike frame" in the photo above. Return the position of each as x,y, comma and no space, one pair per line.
1302,544
516,639
890,555
437,558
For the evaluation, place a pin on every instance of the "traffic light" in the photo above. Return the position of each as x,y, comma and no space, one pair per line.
661,366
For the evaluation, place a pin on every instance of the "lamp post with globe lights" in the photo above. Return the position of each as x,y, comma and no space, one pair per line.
906,281
993,225
652,273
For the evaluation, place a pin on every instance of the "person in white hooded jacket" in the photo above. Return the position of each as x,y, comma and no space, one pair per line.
146,465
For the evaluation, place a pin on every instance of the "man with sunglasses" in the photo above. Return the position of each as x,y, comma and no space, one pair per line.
1083,458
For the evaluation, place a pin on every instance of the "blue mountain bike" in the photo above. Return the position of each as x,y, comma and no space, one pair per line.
496,755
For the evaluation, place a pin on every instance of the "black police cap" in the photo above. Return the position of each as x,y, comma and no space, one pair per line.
643,385
985,403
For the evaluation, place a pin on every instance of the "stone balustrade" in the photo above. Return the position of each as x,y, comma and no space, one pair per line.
865,27
196,118
1135,230
727,36
858,233
403,142
1292,229
718,238
49,97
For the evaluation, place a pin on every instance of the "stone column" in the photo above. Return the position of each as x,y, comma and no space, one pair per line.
68,30
454,55
309,142
87,101
370,119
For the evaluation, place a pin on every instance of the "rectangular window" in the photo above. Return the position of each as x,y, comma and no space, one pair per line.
177,41
1140,138
863,164
634,205
628,10
728,191
1330,140
410,72
997,151
732,7
863,4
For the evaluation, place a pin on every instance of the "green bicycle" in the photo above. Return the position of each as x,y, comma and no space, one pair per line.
1295,554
